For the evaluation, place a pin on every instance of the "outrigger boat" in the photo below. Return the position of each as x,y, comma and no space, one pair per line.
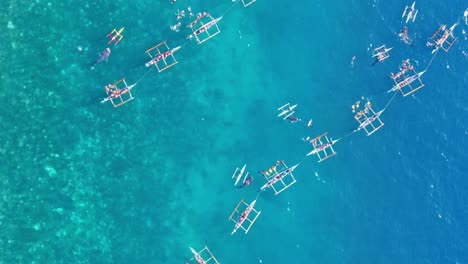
443,38
204,28
286,112
412,12
162,56
115,34
368,119
272,179
381,53
244,216
321,147
406,81
241,172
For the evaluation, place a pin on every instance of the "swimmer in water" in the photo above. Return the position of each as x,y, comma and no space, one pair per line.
293,119
247,182
465,16
404,36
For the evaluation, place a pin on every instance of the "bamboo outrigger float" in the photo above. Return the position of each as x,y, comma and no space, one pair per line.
380,54
411,14
286,111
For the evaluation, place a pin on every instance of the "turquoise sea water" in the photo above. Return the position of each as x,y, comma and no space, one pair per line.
83,182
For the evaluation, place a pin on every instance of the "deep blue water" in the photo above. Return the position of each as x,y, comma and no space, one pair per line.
83,182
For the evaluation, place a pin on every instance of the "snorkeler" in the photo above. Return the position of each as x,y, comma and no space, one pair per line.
353,60
246,182
293,119
404,36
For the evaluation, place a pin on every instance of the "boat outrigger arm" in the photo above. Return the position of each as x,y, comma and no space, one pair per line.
204,27
381,52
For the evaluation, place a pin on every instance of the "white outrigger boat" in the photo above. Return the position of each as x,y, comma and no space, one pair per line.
381,53
162,56
205,28
412,12
406,81
273,177
244,216
444,34
287,110
323,148
238,174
